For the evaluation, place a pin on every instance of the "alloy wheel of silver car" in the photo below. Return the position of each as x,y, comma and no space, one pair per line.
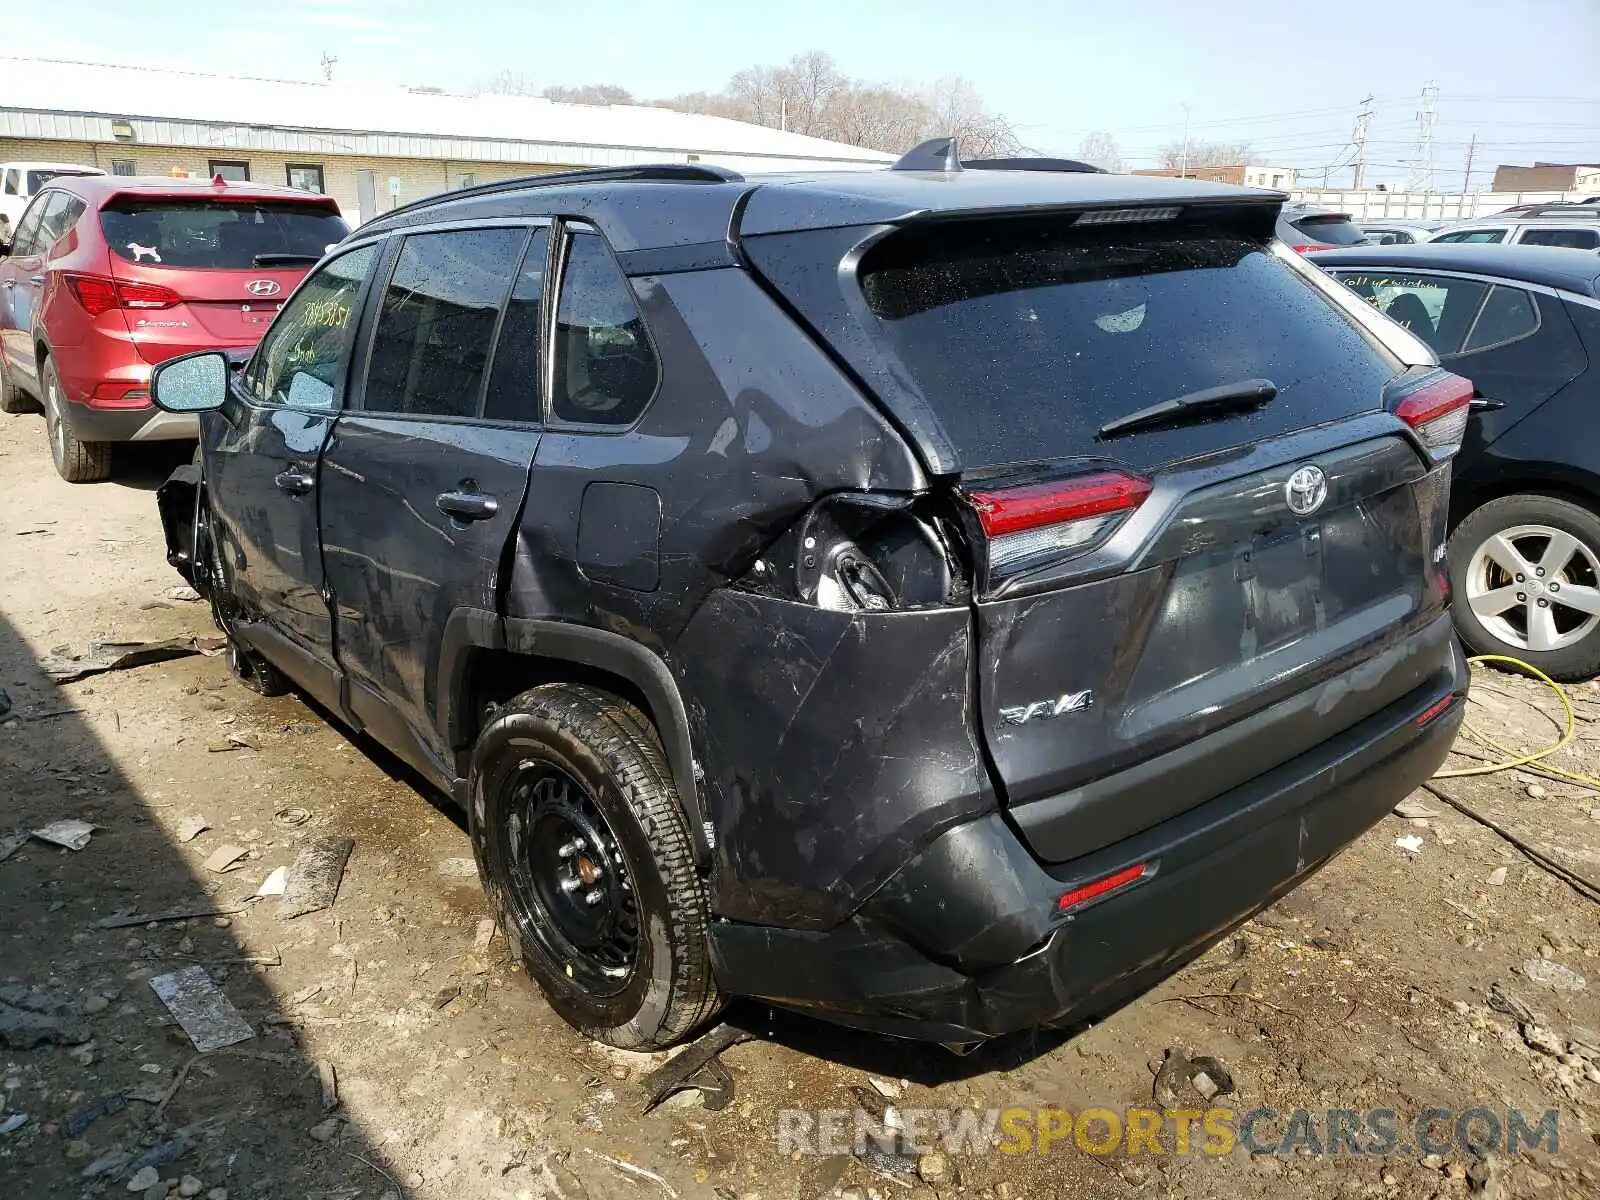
1535,587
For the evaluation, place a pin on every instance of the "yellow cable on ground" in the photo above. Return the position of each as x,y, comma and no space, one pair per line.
1537,756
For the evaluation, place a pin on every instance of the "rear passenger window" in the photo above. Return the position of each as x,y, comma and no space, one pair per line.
1575,239
1475,236
436,324
1438,309
604,371
1508,314
514,380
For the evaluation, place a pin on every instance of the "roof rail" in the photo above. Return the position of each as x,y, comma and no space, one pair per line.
661,172
1031,164
943,154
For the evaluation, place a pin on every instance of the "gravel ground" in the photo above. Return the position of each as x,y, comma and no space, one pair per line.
1368,988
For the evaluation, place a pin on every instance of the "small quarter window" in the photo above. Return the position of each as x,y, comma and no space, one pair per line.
1507,315
604,371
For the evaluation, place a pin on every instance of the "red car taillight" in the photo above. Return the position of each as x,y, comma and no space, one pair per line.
99,294
1436,407
1036,521
1307,247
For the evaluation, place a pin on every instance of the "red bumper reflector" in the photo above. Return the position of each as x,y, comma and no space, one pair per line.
1093,891
119,395
1435,711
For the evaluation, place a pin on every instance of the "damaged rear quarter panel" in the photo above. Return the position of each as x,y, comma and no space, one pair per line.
834,745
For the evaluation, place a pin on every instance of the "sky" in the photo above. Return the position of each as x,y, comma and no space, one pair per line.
1523,76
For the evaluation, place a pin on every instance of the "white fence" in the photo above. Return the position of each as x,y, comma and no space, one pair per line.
1425,206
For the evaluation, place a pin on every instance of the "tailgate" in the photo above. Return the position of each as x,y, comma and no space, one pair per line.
1231,606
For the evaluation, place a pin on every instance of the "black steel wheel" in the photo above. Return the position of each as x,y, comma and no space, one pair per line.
584,850
569,882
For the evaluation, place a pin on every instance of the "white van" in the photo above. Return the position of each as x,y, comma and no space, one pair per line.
19,181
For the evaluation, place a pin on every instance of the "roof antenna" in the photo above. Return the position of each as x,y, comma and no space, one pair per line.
935,154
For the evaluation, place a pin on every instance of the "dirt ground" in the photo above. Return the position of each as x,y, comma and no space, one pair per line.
1367,988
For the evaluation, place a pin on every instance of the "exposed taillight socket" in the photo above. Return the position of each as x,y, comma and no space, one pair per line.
1436,404
1098,889
1039,523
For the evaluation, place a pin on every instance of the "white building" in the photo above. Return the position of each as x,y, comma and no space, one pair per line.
370,148
1279,179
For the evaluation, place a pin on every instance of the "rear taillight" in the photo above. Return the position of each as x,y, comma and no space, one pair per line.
1437,407
1040,521
99,294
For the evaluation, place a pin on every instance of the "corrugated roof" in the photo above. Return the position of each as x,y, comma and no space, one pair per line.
44,86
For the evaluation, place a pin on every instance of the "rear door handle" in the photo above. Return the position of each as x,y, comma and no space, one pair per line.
1484,404
35,278
294,481
468,506
8,283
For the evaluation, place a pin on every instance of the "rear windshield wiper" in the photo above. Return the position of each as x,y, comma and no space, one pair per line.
285,260
1228,397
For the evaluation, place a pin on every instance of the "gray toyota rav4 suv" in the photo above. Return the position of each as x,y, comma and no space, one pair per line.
943,599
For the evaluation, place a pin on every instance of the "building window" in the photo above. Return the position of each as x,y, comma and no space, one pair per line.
466,179
305,176
233,172
123,166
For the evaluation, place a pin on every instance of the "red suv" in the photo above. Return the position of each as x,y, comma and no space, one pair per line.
107,276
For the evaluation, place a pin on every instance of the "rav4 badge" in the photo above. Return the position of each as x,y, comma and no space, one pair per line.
1070,702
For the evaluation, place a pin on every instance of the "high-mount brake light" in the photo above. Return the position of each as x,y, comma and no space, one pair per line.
1125,216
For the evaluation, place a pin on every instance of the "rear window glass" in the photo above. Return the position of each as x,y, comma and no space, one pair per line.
204,233
1026,339
1331,231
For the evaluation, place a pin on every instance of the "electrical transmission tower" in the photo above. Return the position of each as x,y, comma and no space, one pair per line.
1359,140
1421,179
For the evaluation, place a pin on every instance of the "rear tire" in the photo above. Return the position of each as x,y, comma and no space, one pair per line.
76,462
253,671
586,856
244,664
12,398
1496,558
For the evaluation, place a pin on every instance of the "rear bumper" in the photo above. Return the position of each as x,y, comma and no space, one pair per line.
964,942
148,424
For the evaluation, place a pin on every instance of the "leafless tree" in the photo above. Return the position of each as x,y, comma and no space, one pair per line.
508,83
590,93
1100,149
810,95
1205,154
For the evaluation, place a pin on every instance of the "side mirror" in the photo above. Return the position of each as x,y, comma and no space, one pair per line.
191,384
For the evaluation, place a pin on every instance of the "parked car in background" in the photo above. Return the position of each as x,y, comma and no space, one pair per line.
1523,323
1305,228
21,181
944,600
1573,230
1393,231
108,275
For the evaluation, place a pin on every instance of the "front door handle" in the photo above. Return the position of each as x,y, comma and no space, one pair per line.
35,278
8,283
467,506
294,481
1484,404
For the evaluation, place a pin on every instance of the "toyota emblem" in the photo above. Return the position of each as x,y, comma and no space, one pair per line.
1306,490
263,287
